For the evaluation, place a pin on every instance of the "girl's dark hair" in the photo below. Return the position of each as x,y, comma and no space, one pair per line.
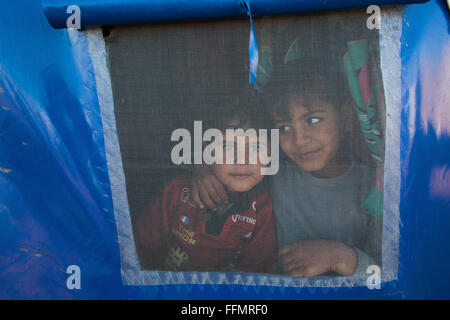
309,78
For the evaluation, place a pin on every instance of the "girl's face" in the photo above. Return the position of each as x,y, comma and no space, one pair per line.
311,136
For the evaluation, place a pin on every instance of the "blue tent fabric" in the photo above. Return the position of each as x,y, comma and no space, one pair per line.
113,12
56,206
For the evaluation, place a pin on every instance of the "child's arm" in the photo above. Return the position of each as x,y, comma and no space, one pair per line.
152,228
206,188
259,255
314,257
309,258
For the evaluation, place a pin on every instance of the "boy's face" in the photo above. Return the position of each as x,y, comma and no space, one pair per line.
240,177
311,135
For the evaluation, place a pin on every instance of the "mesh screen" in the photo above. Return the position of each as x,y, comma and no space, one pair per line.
318,83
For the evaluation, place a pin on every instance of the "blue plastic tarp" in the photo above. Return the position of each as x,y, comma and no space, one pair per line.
113,12
56,206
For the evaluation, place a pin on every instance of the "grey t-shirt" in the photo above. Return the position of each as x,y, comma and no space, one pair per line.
307,207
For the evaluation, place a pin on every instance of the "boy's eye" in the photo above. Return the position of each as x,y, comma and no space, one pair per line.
313,120
228,147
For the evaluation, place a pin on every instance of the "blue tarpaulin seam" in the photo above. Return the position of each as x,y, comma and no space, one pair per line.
113,12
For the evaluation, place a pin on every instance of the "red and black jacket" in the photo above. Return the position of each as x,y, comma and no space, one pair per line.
176,234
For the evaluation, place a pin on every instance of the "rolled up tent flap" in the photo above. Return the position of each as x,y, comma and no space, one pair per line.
115,12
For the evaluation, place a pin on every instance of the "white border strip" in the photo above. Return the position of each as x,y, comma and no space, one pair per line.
129,261
391,67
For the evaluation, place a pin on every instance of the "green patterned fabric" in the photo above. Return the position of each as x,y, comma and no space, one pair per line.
366,89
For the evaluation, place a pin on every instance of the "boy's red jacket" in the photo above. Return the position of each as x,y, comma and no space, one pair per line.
171,235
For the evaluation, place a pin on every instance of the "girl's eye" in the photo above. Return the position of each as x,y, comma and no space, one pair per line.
284,128
313,120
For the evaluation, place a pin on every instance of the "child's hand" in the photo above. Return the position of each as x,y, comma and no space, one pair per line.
310,258
207,189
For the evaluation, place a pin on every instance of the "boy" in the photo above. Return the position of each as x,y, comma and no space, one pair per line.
178,235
